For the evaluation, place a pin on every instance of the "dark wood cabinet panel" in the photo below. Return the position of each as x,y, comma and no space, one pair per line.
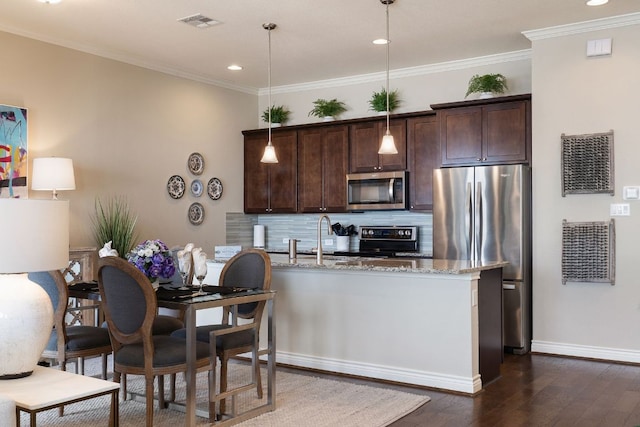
322,167
365,141
423,152
498,132
270,188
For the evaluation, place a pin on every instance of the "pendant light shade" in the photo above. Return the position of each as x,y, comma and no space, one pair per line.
388,145
269,155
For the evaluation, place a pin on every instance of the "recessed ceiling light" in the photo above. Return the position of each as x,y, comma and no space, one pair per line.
199,21
50,1
596,2
380,41
234,67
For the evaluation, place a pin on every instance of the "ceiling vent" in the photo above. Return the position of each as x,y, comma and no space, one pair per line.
199,21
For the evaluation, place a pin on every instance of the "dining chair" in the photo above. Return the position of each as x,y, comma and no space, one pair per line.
70,342
250,268
130,307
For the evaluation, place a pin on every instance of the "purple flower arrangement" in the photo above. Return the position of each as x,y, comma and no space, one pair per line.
153,258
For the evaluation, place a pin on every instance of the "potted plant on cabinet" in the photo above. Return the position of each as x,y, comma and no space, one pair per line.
378,101
487,85
279,115
328,110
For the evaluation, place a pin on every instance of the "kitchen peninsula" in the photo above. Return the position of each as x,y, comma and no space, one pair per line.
434,323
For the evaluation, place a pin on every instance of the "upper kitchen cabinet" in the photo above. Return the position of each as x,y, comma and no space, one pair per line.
270,187
423,152
485,132
323,154
365,141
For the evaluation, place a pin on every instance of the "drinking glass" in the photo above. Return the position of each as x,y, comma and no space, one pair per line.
201,270
184,265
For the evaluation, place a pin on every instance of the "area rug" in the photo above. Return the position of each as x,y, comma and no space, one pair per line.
301,400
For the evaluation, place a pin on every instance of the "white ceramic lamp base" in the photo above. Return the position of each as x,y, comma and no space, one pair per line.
26,319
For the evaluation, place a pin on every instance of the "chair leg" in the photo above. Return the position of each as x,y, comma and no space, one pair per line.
81,365
104,366
256,369
172,388
223,382
161,402
116,379
149,400
124,385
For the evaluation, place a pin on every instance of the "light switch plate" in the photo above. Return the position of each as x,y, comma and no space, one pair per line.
328,242
599,47
631,193
620,209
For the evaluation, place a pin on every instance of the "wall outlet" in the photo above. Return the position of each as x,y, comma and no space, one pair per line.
328,242
285,240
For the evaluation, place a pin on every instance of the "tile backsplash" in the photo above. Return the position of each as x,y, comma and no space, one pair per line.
303,227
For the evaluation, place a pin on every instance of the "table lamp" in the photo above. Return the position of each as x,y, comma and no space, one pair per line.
53,174
34,236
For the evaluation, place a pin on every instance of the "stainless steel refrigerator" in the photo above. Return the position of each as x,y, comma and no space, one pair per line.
484,213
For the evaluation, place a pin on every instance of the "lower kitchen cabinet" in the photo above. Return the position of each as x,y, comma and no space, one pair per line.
270,187
423,152
323,154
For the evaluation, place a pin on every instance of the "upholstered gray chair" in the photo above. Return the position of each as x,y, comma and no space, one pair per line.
70,342
130,307
250,268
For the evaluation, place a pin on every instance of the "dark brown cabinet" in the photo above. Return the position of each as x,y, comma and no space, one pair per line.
365,138
498,132
270,188
323,154
423,152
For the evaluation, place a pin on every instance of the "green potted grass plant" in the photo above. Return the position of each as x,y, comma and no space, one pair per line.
327,109
378,101
113,221
279,115
487,85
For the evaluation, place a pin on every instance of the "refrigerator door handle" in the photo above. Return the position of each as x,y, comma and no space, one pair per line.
468,208
478,222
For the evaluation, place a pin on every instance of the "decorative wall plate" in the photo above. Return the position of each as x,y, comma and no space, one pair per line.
196,213
197,188
196,163
214,188
176,186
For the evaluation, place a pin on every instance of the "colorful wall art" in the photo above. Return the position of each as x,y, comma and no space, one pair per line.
13,152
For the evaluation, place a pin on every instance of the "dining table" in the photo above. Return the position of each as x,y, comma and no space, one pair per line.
189,302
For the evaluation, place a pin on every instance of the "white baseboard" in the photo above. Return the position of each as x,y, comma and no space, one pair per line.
591,352
388,373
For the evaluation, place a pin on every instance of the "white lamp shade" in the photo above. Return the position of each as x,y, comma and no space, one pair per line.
52,173
269,155
35,235
388,145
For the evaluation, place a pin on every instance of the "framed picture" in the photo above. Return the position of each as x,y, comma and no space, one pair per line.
13,152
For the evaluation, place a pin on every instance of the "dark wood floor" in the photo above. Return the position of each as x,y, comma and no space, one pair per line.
537,390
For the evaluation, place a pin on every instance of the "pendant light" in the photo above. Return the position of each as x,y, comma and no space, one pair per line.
269,155
387,146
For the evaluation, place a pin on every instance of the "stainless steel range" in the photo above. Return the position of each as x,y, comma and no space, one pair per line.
389,241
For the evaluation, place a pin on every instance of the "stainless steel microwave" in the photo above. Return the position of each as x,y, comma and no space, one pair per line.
377,191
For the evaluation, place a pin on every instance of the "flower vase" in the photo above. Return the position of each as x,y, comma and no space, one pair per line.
342,243
155,283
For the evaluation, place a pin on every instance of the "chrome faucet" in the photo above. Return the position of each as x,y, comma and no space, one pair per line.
329,232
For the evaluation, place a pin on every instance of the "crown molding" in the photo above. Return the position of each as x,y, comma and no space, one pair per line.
583,27
421,70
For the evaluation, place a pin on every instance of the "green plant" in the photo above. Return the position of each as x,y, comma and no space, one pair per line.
330,108
279,114
113,221
494,83
378,101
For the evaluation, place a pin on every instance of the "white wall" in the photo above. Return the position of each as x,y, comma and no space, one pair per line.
128,130
573,94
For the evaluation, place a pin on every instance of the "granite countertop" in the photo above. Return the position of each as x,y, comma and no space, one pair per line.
407,265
